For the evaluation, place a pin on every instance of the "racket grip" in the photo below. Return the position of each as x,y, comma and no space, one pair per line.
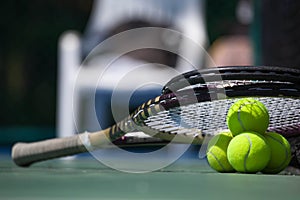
25,154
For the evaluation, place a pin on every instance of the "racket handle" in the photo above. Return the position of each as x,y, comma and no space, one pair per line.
25,154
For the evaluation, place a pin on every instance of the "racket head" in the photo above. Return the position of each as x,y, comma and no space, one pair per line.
197,108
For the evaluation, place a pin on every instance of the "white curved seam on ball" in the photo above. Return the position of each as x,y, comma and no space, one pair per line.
217,160
239,117
248,152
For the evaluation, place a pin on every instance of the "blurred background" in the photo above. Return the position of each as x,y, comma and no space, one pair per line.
28,64
236,32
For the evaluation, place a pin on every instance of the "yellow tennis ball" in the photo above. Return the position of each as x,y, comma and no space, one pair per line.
247,114
280,153
217,152
249,152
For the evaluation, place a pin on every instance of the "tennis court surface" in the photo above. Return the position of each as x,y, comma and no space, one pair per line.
189,177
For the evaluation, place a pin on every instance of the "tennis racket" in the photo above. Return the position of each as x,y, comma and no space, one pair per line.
192,106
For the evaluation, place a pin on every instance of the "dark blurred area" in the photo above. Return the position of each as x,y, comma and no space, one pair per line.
266,30
280,32
28,56
28,62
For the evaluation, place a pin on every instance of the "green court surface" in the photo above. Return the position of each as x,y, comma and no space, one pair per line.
188,178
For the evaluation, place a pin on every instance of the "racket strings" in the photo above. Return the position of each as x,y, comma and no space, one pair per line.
205,118
208,118
285,115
